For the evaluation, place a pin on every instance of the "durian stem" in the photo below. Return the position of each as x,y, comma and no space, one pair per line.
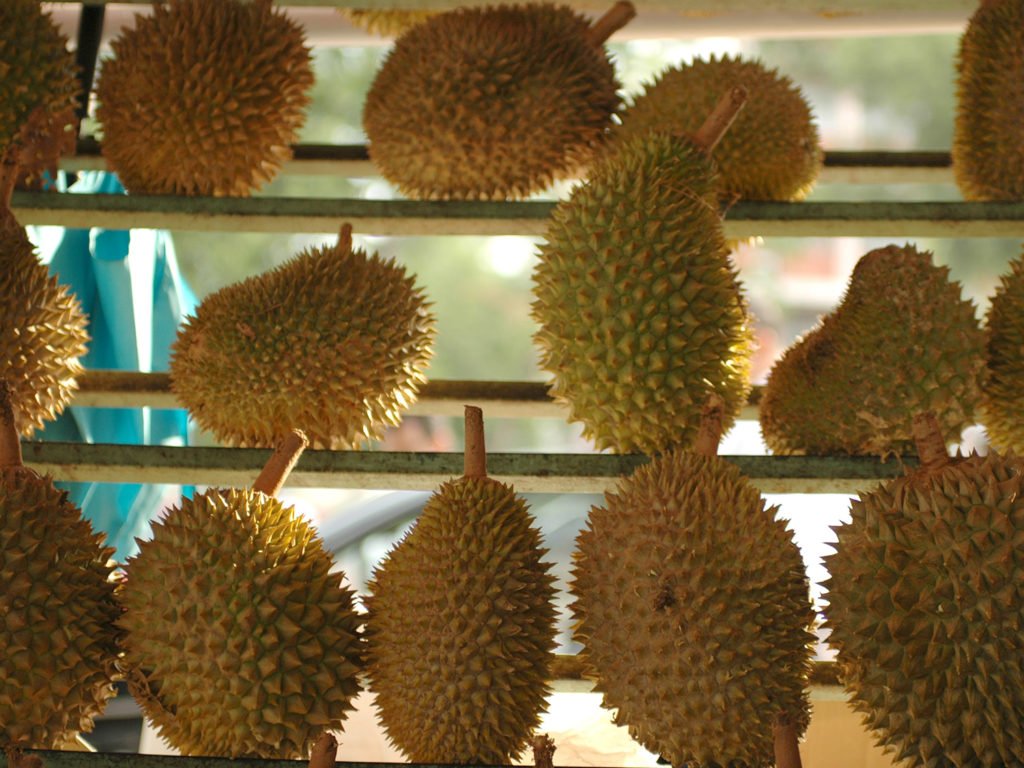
325,751
618,16
787,746
931,446
10,440
543,751
721,117
345,237
475,455
281,463
710,432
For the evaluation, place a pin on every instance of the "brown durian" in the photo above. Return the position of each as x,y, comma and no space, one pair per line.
204,97
1002,394
461,623
492,103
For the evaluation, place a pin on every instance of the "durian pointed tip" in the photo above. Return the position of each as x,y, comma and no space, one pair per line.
717,123
475,456
931,445
710,432
10,440
325,751
618,16
281,462
345,237
787,746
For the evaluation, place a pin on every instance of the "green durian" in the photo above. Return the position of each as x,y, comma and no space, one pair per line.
988,136
693,608
386,23
1002,393
639,309
925,607
333,342
461,623
901,341
492,103
58,639
240,639
772,150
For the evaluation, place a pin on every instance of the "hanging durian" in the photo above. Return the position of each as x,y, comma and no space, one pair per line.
386,23
902,340
241,640
492,103
772,150
58,639
640,311
461,624
1002,394
925,606
332,342
204,97
692,605
42,327
988,135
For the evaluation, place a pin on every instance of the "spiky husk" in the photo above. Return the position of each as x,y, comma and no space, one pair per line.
640,311
390,23
925,604
902,341
204,97
240,642
771,151
42,332
692,605
460,628
490,103
332,342
38,77
1002,395
57,614
988,136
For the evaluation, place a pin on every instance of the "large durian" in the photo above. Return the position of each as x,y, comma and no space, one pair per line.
204,97
640,312
332,342
58,638
241,640
461,624
772,150
492,103
901,341
386,23
691,602
42,326
988,135
1002,393
925,607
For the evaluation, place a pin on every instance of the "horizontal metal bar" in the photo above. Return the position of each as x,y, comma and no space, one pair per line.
834,7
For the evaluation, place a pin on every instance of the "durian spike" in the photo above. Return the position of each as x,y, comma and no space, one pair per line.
721,117
618,16
10,442
710,432
931,446
543,751
787,747
475,456
325,751
281,463
345,237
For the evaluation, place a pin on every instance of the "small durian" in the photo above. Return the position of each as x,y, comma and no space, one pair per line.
640,311
772,150
58,638
988,135
1002,393
493,103
902,341
240,639
42,327
204,97
333,342
924,606
461,623
692,605
386,23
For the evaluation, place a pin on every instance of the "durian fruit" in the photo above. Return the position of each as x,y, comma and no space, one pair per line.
640,312
924,604
691,602
38,85
902,340
386,23
42,326
204,97
1002,393
58,639
241,640
492,103
772,150
332,342
988,137
461,624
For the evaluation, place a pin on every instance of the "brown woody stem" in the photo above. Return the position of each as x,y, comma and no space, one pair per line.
618,16
787,746
543,751
931,446
475,456
721,117
324,752
710,432
281,463
10,440
345,237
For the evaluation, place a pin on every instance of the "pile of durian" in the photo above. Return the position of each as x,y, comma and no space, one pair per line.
689,595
